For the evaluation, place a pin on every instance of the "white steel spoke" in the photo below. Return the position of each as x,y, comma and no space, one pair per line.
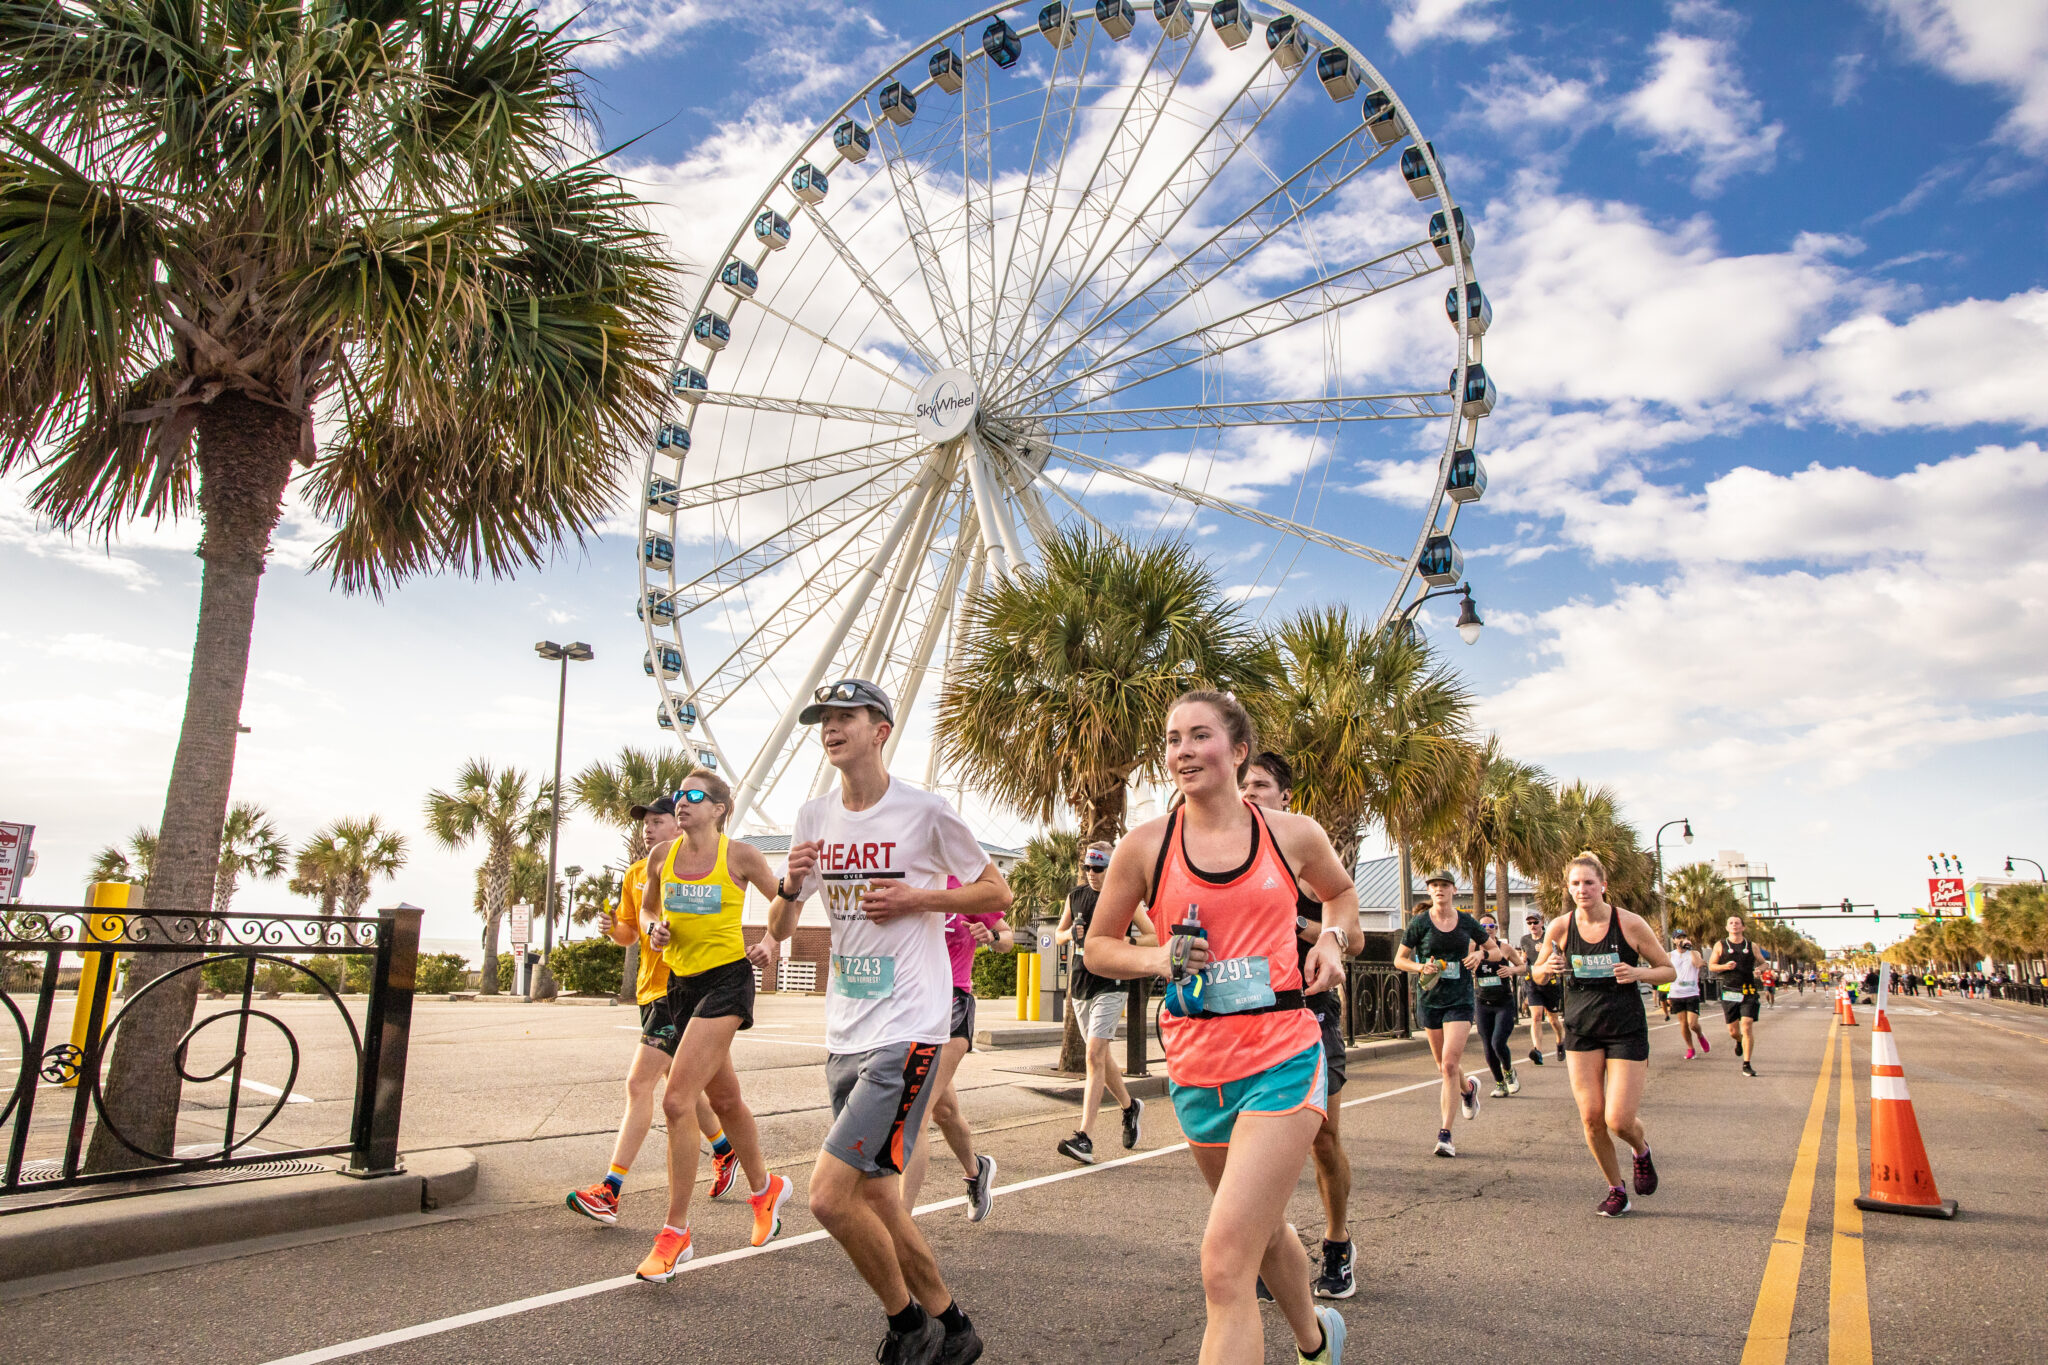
1235,509
978,204
874,291
1288,203
1304,303
966,549
823,340
797,473
903,179
804,407
1378,407
1105,278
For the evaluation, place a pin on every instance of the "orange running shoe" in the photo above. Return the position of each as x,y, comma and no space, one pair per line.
722,1169
768,1209
671,1249
597,1201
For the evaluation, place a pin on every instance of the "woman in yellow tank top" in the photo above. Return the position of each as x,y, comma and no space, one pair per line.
697,882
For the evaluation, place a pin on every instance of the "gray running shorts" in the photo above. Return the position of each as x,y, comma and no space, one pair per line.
1099,1017
878,1104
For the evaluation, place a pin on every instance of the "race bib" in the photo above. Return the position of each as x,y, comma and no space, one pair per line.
1237,984
691,898
863,978
1731,997
1594,966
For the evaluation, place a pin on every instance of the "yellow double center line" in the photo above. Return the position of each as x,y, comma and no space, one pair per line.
1770,1324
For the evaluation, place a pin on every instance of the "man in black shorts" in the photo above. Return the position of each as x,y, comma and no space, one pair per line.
1269,782
1734,965
1544,998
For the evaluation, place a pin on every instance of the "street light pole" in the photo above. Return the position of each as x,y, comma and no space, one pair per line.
1664,906
1468,615
541,986
2012,858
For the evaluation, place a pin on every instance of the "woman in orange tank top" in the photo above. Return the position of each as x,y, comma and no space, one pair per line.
1244,1057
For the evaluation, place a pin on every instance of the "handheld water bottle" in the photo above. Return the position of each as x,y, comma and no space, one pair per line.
1184,994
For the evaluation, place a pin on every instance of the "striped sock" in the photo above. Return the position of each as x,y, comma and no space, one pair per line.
617,1178
719,1145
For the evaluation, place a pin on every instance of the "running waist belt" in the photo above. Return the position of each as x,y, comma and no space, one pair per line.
1282,1000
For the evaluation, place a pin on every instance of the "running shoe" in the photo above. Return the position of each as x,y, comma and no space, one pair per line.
1333,1339
1514,1082
1689,1054
722,1171
1080,1147
1748,1070
1738,1047
768,1209
960,1347
1336,1281
1705,1047
1443,1143
1500,1091
1131,1117
1615,1204
671,1249
1646,1173
920,1347
1560,1052
981,1188
1536,1055
1259,1289
1469,1098
597,1201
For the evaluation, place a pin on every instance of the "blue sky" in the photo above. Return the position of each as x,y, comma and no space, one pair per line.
1761,545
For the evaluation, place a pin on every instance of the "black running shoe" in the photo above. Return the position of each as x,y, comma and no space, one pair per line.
920,1347
981,1188
1080,1147
1336,1281
1738,1045
1265,1294
1131,1117
1646,1173
1560,1052
1536,1055
961,1347
1748,1070
1615,1204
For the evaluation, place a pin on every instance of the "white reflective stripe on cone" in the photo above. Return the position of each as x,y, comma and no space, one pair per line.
1884,1049
1889,1088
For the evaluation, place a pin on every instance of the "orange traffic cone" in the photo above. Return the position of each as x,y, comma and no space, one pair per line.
1901,1181
1848,1011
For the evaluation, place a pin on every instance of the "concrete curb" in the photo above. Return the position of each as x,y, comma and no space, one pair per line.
1050,1080
73,1236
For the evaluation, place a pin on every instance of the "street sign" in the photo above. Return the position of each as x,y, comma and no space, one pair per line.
15,859
1945,896
522,925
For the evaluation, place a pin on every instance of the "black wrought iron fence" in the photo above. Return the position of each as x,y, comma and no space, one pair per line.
2020,991
1376,1005
47,1128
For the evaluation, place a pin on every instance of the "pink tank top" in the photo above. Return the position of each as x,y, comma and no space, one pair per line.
1249,916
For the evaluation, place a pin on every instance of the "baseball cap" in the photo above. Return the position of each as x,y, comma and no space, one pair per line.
665,805
846,694
1441,875
1095,857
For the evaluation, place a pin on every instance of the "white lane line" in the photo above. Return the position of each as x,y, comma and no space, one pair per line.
363,1345
271,1090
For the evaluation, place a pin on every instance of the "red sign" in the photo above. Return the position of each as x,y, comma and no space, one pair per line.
1945,896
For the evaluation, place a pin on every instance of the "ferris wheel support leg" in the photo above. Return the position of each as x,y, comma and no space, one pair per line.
1006,552
901,575
967,547
764,764
975,578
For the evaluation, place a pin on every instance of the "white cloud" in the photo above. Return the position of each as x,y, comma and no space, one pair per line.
1696,105
1518,96
1978,360
1466,21
2002,43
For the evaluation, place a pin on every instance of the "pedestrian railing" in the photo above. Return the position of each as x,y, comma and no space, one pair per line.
59,1089
1377,1002
2014,990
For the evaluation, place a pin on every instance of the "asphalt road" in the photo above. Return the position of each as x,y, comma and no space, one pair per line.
1496,1255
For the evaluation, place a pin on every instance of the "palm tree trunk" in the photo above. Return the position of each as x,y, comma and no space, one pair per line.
629,975
245,458
1500,890
1106,811
497,881
223,890
1478,873
487,979
1405,892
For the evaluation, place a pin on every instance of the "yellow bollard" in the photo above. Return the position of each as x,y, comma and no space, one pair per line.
98,929
1030,987
1023,983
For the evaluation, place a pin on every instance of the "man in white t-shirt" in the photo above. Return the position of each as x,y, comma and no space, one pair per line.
880,853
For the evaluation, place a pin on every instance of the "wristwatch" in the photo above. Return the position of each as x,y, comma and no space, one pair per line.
1343,937
780,893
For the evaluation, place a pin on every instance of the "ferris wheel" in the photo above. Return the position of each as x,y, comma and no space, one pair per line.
1055,265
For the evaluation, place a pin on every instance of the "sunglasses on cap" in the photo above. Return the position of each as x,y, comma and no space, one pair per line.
839,691
695,796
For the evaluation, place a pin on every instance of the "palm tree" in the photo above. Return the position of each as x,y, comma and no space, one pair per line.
1418,712
1319,716
1700,902
495,807
1065,670
132,864
596,894
609,791
368,850
249,846
221,219
1519,809
317,872
1049,869
1589,820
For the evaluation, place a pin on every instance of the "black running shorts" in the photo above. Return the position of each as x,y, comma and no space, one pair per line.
963,1015
721,993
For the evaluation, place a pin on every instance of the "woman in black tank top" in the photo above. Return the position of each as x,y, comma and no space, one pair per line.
1605,955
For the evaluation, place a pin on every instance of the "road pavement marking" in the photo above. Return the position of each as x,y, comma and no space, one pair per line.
1848,1287
260,1088
1770,1325
1971,1018
398,1336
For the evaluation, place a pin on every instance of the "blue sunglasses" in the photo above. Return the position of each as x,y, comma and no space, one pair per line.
696,796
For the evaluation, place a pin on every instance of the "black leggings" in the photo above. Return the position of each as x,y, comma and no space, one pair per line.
1496,1025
